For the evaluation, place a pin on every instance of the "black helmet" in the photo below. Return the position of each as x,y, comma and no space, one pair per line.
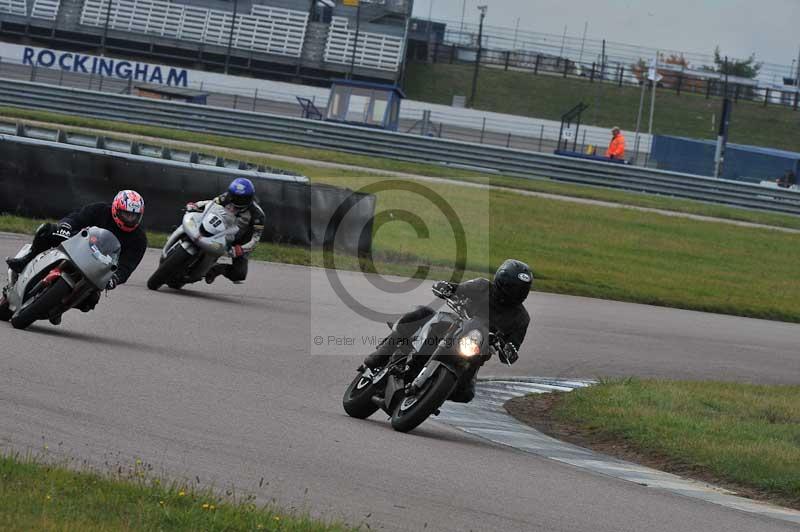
512,282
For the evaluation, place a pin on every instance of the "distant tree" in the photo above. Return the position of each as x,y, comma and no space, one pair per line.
675,71
743,68
677,60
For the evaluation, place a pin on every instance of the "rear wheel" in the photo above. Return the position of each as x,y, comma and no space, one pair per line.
357,400
413,410
170,268
41,304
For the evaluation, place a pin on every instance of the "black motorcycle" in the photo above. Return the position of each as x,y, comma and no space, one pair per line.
421,376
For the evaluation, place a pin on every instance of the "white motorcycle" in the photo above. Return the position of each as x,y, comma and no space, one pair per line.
195,246
60,278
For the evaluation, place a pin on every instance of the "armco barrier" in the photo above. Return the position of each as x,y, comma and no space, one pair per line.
393,145
48,179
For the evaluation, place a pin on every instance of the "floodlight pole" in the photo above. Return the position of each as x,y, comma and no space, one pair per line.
797,76
355,40
230,36
105,29
482,9
653,96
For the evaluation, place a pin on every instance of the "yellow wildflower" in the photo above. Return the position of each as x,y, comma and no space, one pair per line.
205,506
181,493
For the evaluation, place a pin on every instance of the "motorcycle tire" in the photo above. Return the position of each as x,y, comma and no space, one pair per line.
169,269
41,304
5,312
437,390
357,399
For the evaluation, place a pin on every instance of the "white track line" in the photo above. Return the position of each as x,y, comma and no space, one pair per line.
485,417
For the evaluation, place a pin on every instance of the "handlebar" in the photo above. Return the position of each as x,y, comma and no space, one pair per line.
458,305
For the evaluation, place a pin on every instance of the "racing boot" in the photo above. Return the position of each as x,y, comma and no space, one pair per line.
464,391
55,320
16,265
385,350
38,245
88,304
215,271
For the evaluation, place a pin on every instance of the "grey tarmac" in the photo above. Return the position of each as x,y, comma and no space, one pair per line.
225,383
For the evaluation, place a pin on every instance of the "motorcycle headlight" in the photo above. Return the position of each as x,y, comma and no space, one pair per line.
470,344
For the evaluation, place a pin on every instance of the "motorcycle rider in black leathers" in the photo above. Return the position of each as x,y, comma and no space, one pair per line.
122,218
240,201
501,299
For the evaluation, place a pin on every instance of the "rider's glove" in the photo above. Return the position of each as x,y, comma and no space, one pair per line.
192,207
235,252
443,289
113,282
509,354
64,231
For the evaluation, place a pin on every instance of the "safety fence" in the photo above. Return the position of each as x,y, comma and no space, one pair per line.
416,117
676,74
367,141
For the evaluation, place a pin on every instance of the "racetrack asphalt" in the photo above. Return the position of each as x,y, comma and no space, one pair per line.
225,383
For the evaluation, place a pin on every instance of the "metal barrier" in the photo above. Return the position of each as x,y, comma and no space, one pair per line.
213,163
393,145
71,175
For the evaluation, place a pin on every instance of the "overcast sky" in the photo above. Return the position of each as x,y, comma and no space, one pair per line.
770,28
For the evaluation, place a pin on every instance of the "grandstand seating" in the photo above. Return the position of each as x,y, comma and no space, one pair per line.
47,9
14,7
375,50
286,29
266,29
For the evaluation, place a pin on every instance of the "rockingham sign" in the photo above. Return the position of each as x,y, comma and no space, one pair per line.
138,72
101,66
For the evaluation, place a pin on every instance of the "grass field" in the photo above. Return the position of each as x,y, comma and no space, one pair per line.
46,497
744,434
523,93
266,149
606,253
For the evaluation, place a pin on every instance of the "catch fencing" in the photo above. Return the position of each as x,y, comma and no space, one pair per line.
378,143
441,121
599,60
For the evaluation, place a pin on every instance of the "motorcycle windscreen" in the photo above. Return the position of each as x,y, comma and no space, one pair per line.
95,252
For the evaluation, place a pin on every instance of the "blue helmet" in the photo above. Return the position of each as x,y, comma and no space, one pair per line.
240,193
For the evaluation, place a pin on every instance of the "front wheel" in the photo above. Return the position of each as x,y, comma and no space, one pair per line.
170,268
357,400
411,411
41,304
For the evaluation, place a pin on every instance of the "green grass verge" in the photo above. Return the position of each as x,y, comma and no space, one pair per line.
599,252
523,93
270,148
46,497
742,433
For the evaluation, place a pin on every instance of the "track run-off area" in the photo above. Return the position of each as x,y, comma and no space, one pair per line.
231,385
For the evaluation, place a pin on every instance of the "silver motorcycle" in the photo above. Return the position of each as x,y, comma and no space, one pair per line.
60,278
195,246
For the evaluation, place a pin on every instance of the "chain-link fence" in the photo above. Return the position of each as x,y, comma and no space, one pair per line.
416,117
